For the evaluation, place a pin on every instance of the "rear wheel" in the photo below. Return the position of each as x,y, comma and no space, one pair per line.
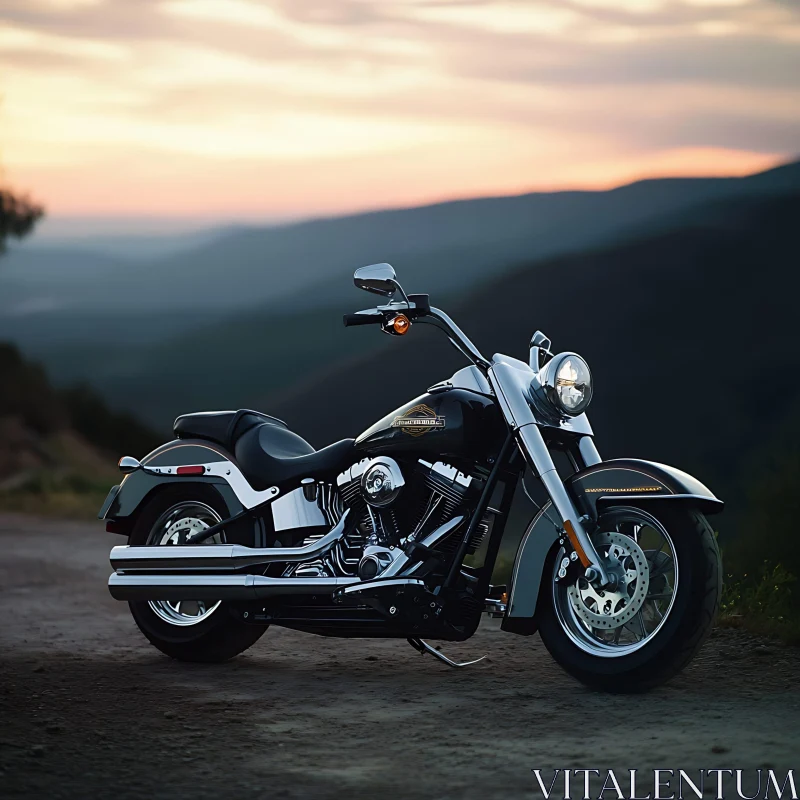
188,630
646,628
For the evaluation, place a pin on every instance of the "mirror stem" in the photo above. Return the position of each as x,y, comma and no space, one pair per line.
402,292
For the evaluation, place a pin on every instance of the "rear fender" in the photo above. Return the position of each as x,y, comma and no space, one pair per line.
643,484
122,505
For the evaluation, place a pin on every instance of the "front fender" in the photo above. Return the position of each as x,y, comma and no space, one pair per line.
123,503
610,483
636,482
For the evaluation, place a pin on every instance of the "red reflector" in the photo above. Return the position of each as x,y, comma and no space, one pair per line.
191,470
114,527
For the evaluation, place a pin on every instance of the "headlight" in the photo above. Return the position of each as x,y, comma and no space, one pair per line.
566,382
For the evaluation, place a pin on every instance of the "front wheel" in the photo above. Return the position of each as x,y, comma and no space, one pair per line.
646,627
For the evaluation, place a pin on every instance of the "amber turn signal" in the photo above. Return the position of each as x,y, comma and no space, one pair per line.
400,324
575,542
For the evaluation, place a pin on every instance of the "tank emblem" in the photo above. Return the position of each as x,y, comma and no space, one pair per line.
419,420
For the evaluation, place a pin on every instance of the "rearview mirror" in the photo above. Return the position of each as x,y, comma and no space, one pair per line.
376,278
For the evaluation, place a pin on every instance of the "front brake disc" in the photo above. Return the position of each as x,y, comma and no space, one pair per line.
605,608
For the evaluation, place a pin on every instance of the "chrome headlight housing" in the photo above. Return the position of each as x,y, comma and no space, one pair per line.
566,383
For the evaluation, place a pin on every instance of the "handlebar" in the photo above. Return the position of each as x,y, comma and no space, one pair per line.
422,313
351,320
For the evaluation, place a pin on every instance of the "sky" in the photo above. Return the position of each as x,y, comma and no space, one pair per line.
256,110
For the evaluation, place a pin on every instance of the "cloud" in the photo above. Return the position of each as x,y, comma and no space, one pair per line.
485,95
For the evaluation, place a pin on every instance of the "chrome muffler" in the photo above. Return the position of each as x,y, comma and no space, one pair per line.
139,586
216,557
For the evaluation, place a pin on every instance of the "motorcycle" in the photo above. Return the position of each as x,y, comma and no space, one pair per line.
396,533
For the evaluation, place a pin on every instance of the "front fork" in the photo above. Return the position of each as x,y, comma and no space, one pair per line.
533,447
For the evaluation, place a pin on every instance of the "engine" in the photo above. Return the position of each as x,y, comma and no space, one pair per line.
393,509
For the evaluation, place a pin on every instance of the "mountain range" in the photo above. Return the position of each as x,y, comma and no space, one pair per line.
449,247
245,317
681,294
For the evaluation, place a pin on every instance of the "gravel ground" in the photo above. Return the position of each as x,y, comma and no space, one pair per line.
88,709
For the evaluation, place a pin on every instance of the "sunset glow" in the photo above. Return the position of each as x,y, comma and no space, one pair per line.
238,108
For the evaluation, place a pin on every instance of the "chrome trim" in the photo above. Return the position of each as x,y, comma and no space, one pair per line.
378,583
218,557
542,390
494,607
450,474
539,343
166,530
376,278
423,647
576,629
352,472
382,557
295,510
128,464
437,317
511,381
431,539
309,486
469,378
431,316
391,474
232,475
434,537
588,451
535,450
220,587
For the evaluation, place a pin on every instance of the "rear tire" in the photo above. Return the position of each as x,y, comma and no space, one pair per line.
219,635
672,646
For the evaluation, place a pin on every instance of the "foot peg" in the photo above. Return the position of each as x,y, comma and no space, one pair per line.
423,647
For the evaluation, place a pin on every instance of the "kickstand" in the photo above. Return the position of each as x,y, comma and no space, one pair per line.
423,647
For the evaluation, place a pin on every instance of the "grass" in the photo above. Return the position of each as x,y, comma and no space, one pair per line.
68,495
763,602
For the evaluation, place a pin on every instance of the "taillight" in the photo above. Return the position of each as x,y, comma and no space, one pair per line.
191,470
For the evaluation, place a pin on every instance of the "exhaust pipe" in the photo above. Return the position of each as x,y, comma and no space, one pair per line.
219,587
217,557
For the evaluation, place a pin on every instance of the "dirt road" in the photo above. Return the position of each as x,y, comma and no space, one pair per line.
89,710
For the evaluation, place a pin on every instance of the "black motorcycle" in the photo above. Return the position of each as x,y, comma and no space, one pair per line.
396,533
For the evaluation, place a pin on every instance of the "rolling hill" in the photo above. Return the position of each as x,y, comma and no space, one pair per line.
453,246
292,284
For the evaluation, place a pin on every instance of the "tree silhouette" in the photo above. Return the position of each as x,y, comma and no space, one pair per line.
18,215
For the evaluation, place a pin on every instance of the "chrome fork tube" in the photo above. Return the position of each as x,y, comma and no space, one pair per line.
538,457
588,451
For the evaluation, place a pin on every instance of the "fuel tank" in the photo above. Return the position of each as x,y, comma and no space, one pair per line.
449,424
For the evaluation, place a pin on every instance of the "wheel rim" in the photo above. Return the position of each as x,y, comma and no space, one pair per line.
172,528
603,627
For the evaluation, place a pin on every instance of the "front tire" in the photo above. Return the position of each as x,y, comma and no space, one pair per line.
671,629
207,631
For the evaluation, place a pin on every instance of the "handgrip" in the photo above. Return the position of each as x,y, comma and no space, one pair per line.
361,319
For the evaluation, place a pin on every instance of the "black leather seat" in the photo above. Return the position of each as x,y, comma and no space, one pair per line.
271,455
222,427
